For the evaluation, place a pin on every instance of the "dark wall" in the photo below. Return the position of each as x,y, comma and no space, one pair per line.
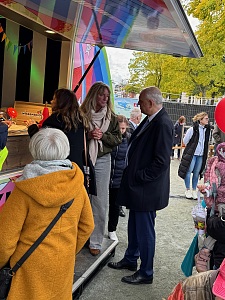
175,110
52,68
23,66
23,72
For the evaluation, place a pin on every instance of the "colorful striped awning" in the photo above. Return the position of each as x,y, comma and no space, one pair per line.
159,26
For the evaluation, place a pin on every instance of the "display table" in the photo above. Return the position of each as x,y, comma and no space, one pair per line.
18,148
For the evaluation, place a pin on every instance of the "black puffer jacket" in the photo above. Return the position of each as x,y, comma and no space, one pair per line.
190,150
118,156
216,229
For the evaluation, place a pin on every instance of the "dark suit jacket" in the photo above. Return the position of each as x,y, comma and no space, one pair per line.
146,179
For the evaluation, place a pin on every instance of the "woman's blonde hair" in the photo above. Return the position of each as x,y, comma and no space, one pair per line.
199,116
90,101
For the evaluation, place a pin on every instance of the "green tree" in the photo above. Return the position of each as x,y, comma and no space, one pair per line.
211,15
164,71
211,36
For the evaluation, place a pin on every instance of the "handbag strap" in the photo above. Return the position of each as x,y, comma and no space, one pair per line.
85,149
62,210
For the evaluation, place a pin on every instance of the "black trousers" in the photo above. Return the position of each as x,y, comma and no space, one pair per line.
113,209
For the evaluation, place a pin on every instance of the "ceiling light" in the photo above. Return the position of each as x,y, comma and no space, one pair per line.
50,31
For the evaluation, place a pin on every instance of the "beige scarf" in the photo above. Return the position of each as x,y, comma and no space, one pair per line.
101,121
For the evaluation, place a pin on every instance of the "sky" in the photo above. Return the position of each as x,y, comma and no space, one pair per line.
119,67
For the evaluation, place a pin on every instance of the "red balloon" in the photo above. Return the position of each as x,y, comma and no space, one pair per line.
12,112
220,115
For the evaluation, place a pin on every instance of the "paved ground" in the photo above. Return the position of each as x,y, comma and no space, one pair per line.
174,230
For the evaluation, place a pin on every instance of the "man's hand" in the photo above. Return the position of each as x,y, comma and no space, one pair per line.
7,122
30,122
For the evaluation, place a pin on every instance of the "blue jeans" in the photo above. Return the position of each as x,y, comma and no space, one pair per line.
195,167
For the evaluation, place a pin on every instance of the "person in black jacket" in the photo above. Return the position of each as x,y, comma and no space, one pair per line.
66,117
178,132
3,134
135,119
118,156
4,125
216,229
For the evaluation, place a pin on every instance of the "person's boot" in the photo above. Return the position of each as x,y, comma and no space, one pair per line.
121,212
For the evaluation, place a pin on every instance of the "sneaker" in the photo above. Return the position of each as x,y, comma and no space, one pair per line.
112,236
194,194
188,194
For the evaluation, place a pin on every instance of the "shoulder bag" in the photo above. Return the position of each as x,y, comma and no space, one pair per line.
6,273
89,171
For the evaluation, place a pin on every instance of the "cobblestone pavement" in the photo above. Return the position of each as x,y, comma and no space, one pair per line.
174,233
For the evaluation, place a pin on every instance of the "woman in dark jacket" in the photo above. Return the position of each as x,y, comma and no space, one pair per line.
66,117
195,153
118,156
178,132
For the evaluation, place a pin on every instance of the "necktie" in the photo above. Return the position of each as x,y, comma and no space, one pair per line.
145,124
143,127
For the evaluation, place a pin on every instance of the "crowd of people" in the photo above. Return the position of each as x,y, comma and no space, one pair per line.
131,162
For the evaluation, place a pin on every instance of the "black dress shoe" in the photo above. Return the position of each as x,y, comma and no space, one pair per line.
121,212
122,264
137,278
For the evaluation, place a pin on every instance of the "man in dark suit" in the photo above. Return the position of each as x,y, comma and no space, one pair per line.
135,119
145,185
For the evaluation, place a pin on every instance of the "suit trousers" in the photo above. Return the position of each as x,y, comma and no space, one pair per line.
141,240
100,203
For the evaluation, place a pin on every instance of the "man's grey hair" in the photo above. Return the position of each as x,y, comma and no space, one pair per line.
49,144
135,112
153,93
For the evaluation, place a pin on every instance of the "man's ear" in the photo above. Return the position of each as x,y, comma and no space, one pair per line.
150,103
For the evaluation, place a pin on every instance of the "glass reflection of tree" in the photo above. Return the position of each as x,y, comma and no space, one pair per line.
117,19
